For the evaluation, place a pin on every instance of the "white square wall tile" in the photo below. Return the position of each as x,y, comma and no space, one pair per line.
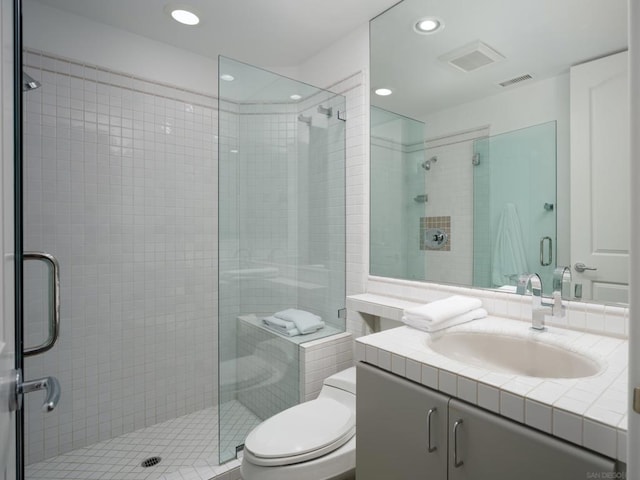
622,446
371,355
567,425
398,365
489,397
384,359
600,438
512,406
468,390
413,370
429,376
538,415
448,382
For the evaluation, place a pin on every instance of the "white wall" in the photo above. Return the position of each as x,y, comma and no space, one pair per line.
71,36
342,68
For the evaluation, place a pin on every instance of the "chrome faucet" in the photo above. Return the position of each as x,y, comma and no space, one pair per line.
561,288
538,307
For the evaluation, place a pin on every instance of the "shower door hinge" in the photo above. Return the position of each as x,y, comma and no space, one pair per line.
239,449
342,313
342,115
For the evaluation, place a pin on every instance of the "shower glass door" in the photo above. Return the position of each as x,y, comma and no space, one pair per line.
281,222
515,207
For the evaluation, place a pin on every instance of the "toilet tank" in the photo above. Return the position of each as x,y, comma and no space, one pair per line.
344,380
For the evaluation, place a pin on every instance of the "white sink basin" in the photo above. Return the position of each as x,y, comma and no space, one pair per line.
527,356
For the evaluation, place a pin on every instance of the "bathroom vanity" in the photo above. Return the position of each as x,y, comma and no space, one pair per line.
405,429
422,408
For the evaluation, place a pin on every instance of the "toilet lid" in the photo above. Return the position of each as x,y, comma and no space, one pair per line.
305,431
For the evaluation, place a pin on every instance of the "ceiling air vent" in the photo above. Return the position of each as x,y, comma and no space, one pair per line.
471,57
521,78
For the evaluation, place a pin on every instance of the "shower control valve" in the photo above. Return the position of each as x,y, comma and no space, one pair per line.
435,238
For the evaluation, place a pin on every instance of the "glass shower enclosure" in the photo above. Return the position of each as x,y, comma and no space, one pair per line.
281,222
515,208
400,199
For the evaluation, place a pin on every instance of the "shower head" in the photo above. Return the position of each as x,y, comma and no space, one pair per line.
29,83
303,119
427,163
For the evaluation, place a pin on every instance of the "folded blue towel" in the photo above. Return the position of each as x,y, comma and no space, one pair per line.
305,322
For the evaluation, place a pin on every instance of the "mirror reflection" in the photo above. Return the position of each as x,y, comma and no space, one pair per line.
499,144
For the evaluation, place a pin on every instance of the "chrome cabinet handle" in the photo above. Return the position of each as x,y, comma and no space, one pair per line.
54,301
430,448
549,252
19,388
581,267
456,461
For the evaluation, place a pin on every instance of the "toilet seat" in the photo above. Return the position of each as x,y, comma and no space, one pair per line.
301,433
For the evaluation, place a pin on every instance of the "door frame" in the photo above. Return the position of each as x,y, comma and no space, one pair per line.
18,223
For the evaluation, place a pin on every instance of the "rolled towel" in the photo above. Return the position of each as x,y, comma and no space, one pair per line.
425,326
305,322
441,310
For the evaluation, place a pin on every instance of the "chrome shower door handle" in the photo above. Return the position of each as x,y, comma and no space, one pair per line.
549,251
54,301
20,388
50,384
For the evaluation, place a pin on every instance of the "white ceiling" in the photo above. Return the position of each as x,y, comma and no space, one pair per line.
275,33
540,37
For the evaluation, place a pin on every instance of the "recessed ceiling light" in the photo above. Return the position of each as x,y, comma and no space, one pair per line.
227,78
295,96
428,25
383,92
183,14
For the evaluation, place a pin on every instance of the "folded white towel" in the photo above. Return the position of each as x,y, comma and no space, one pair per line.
425,326
441,310
305,322
278,324
288,333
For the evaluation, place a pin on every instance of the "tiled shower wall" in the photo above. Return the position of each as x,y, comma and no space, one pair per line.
453,167
121,186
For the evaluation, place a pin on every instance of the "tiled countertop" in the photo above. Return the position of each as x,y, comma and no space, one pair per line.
590,411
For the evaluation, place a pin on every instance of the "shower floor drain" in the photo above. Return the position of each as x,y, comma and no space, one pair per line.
150,462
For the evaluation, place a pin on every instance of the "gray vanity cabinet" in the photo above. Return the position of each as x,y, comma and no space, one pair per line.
492,447
393,423
395,430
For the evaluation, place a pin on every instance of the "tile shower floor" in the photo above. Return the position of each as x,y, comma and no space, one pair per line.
188,447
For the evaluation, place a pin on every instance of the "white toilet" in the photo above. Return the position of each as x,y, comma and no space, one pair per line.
315,440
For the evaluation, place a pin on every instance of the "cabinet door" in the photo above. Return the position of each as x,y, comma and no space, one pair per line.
491,447
393,426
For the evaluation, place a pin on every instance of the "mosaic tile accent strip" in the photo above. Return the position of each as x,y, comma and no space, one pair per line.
443,223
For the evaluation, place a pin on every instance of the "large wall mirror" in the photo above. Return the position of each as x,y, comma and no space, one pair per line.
499,143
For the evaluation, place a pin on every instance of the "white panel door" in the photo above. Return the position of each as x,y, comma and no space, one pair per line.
7,310
599,116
